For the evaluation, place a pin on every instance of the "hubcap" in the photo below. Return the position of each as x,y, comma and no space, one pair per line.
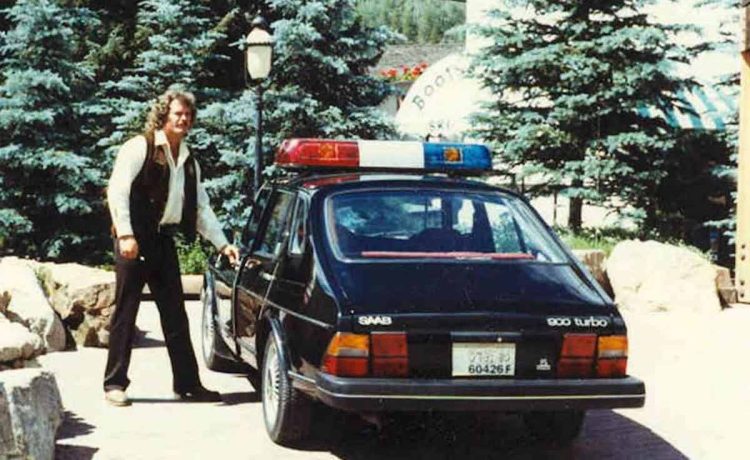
271,386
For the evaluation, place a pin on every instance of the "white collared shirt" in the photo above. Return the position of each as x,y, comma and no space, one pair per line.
128,164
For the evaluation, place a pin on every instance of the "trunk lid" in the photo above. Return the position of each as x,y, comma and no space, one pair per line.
449,309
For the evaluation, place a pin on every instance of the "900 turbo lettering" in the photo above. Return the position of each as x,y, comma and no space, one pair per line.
564,321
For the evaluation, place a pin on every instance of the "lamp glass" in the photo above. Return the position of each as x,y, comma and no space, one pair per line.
259,45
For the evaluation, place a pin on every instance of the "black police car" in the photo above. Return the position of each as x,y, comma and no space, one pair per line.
388,288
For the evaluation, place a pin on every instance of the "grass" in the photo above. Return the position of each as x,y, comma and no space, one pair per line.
587,242
605,239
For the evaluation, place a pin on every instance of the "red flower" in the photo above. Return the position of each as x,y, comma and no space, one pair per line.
403,72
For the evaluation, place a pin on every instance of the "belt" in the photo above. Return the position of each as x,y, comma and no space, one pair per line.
169,229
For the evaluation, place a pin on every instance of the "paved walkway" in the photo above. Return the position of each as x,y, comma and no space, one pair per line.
694,366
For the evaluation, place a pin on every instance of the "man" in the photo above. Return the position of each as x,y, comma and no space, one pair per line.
155,191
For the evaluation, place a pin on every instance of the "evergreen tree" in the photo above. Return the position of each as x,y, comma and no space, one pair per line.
421,21
320,85
114,44
571,79
49,181
5,23
178,44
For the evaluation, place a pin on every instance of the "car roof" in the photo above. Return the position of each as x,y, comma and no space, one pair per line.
328,182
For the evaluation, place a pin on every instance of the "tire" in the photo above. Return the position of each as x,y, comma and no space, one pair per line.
559,428
286,410
212,345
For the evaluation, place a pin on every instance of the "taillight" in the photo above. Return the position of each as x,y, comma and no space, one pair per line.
390,357
347,355
577,356
350,355
612,357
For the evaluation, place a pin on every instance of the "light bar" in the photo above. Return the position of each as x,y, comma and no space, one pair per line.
347,154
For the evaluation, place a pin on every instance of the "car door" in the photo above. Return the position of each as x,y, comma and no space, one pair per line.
225,274
293,270
257,271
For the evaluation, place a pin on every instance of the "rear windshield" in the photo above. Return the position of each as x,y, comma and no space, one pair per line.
442,224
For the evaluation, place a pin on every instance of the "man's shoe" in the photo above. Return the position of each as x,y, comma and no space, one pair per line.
199,394
117,398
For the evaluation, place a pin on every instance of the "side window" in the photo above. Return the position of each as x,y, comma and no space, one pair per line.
274,228
299,228
504,231
465,217
251,228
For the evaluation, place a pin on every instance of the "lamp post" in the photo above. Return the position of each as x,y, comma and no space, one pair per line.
258,47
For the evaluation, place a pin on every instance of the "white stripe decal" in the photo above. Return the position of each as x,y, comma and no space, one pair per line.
390,154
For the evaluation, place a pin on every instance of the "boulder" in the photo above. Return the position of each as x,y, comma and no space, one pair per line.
30,413
4,301
724,285
594,260
653,276
17,342
20,364
28,305
84,297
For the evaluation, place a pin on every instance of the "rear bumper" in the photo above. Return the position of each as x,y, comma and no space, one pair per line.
371,394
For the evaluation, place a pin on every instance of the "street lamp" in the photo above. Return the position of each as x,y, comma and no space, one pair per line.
258,47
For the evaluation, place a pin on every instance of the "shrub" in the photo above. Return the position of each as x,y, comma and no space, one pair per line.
193,257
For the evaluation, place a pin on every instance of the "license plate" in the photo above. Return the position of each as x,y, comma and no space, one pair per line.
478,359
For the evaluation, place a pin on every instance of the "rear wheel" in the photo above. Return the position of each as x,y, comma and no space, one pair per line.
560,427
286,410
211,342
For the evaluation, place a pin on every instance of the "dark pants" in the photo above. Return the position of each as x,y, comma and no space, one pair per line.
156,265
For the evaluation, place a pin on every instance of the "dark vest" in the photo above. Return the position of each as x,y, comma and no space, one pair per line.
150,189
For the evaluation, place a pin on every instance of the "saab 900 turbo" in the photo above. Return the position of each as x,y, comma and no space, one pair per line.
381,276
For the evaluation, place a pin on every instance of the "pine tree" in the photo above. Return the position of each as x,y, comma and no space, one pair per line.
178,44
321,85
571,79
420,21
49,179
114,45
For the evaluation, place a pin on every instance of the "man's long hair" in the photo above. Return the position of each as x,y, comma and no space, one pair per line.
157,117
